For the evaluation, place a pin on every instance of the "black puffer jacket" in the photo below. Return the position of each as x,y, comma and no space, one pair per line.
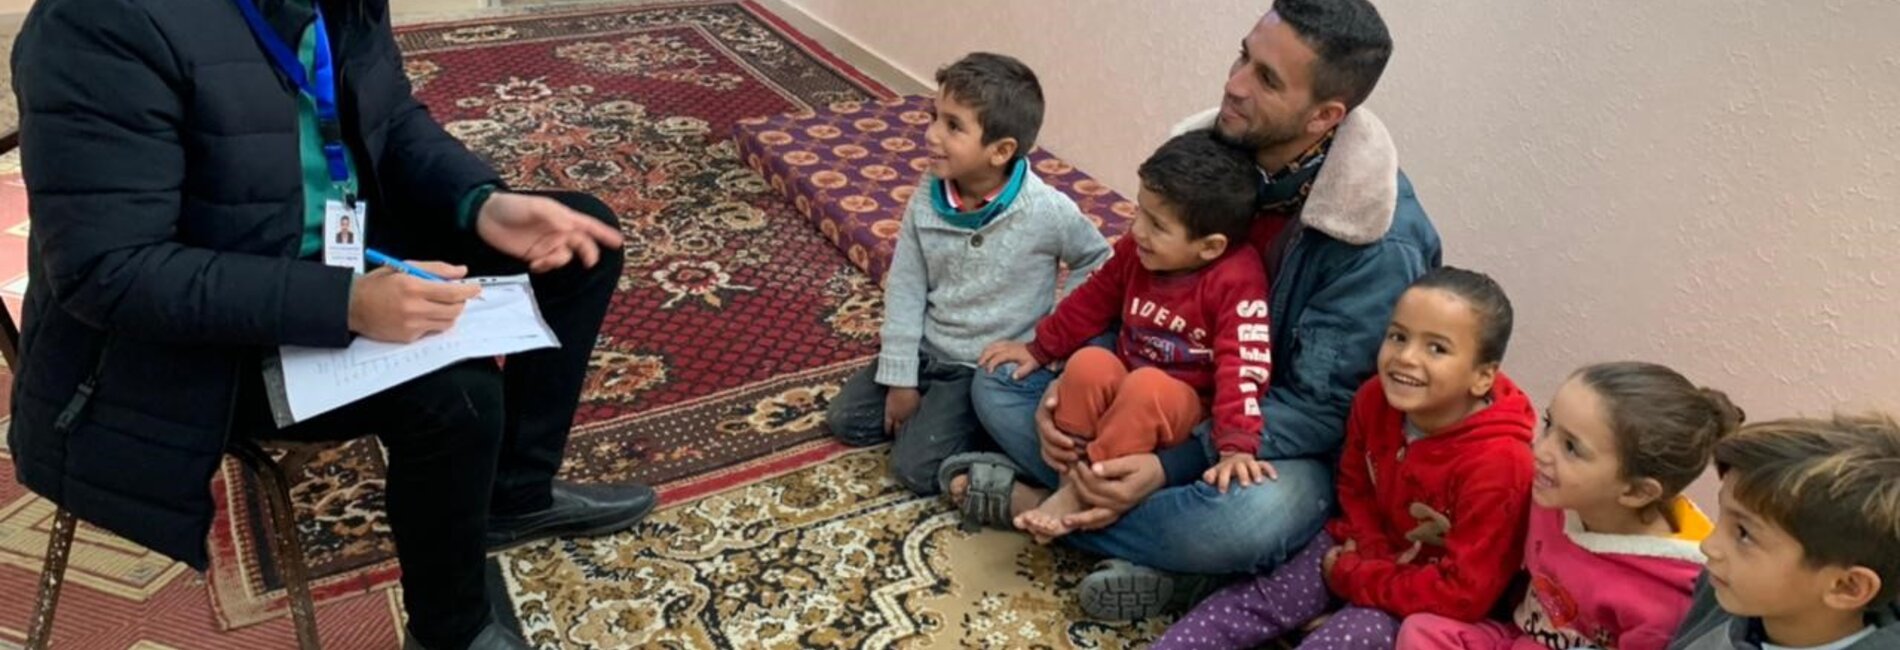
161,163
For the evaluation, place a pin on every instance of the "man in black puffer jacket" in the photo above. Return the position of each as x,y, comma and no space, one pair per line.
181,160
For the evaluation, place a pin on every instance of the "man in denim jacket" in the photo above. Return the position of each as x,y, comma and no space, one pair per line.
1342,235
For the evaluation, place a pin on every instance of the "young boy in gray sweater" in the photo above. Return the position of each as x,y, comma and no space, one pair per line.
976,262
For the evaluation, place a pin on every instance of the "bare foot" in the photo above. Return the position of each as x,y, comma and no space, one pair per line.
1024,499
1044,523
959,486
1041,527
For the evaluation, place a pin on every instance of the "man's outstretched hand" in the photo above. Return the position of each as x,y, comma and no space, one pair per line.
542,231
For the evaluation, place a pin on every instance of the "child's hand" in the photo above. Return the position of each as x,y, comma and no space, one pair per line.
1332,556
899,405
1411,553
1002,352
1243,468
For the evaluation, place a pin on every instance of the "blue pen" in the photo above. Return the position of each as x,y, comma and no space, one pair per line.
378,258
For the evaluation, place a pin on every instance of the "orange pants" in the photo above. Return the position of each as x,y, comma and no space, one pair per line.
1123,413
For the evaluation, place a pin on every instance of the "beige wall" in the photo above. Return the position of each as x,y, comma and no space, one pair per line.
1712,185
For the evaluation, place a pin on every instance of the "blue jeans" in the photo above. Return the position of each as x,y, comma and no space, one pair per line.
1186,529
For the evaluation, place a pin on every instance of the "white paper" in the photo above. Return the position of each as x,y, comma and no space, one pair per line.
503,320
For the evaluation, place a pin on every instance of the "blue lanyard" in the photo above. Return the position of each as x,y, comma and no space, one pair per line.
323,91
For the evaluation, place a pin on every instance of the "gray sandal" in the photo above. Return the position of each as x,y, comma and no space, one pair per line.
992,480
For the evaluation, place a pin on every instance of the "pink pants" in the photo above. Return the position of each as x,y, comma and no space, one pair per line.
1434,632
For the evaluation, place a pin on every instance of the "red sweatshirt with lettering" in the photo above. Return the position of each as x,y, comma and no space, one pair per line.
1207,328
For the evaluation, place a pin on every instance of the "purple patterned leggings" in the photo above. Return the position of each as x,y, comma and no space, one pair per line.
1262,608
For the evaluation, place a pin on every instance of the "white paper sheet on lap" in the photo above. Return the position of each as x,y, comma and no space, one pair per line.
304,382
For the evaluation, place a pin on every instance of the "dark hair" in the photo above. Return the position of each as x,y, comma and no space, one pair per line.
1213,185
1004,93
1665,427
1831,484
1495,317
1351,42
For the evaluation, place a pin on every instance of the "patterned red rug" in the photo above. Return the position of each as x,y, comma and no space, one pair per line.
735,320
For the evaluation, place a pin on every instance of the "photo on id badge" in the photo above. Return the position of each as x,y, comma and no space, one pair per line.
343,229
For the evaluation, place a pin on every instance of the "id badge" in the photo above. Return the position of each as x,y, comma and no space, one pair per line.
343,228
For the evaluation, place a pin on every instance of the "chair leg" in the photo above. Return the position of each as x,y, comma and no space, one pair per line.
289,545
59,546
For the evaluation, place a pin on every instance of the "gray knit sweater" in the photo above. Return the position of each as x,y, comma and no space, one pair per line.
951,291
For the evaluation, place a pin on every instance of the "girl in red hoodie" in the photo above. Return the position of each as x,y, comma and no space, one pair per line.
1433,486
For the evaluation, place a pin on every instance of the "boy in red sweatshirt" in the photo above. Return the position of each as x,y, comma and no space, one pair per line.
1190,299
1434,488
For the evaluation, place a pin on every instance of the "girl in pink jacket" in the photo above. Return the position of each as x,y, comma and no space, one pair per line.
1613,547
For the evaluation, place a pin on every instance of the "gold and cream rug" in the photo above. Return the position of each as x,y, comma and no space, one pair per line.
834,555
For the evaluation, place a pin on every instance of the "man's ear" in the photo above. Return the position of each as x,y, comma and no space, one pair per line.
1326,115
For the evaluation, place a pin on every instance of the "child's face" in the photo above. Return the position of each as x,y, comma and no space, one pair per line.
955,142
1759,570
1429,362
1578,463
1162,240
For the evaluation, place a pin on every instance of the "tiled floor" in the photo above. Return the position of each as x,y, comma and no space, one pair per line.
13,228
9,111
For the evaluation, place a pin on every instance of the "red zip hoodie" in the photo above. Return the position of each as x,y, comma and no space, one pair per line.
1477,474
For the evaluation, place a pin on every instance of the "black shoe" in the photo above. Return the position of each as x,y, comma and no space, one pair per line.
1120,590
493,637
577,511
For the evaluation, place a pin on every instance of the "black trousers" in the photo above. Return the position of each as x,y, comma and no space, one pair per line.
473,439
